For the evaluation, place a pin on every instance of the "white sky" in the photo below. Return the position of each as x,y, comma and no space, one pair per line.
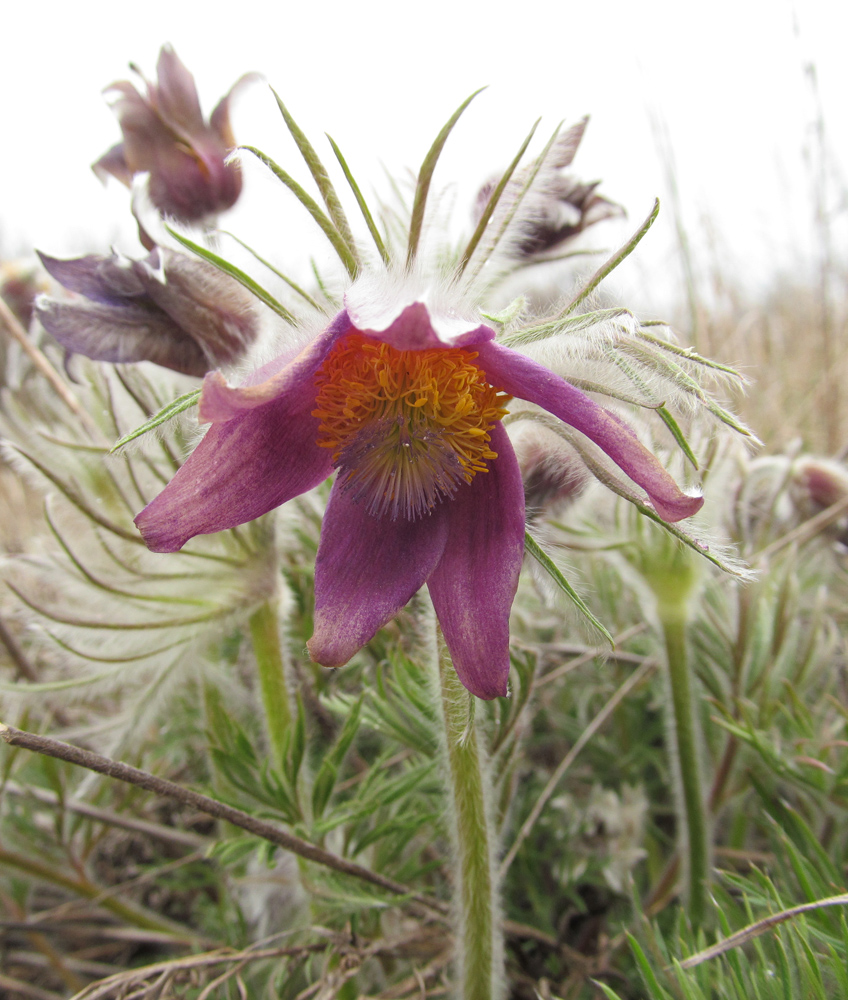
727,78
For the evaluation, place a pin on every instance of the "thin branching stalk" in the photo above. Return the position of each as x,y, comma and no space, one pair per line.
479,947
212,807
265,633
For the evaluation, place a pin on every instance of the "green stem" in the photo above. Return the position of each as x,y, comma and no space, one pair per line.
687,756
479,937
265,633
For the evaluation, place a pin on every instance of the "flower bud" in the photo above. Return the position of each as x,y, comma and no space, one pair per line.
553,474
169,308
818,483
165,135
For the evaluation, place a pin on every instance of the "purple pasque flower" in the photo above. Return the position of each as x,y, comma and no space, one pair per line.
165,135
404,400
169,308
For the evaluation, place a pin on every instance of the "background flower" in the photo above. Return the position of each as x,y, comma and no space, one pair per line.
165,135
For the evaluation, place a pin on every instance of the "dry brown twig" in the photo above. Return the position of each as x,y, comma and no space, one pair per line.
212,807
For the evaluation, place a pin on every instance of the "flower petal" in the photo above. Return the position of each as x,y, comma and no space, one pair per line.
220,402
121,334
521,376
175,95
241,469
376,310
113,162
474,585
367,569
219,120
107,280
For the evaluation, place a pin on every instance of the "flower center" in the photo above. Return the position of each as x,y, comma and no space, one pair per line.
407,428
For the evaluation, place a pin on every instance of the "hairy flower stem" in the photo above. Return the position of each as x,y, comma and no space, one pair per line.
265,633
673,617
479,933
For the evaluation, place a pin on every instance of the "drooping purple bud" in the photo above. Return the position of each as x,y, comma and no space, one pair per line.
819,483
168,308
554,476
164,134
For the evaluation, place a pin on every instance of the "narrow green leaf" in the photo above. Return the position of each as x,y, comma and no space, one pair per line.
685,352
519,198
113,625
533,548
677,434
293,285
360,200
648,974
179,405
314,209
237,273
612,262
607,992
425,176
138,654
320,176
492,203
685,381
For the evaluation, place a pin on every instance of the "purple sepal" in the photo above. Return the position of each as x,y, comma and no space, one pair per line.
220,401
416,327
121,335
520,376
107,280
367,569
241,469
474,584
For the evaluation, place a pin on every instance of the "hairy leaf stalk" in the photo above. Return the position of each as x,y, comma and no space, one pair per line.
478,931
686,758
265,633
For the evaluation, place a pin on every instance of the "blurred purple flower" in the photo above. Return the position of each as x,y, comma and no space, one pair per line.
165,135
169,308
405,402
20,283
564,206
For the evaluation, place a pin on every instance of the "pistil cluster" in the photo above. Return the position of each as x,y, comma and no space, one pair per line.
407,428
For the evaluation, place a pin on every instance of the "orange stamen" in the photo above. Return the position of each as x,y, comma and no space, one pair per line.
406,427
